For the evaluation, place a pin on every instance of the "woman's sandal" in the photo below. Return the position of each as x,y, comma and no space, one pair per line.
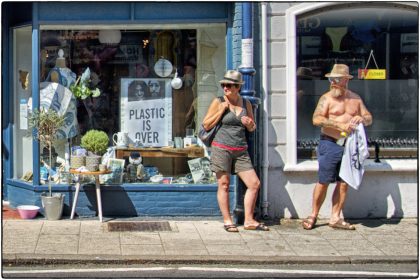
230,228
260,226
309,222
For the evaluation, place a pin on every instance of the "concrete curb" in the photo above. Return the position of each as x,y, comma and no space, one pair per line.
30,259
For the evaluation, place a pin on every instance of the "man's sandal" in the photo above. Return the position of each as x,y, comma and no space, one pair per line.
309,222
341,224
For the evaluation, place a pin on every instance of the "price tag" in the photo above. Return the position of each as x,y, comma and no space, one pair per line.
372,74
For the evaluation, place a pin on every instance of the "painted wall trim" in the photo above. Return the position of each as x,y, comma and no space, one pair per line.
400,165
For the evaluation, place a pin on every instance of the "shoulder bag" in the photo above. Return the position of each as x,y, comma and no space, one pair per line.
207,136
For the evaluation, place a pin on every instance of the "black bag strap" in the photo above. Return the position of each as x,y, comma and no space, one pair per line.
221,99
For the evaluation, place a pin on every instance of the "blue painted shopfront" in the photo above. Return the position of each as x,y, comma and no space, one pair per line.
124,199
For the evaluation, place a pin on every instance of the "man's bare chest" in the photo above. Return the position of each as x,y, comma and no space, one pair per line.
344,107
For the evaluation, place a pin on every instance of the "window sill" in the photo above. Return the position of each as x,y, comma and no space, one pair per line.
402,165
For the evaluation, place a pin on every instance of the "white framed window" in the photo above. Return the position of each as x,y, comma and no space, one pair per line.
315,35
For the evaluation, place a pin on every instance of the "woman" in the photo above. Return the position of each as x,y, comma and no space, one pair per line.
230,151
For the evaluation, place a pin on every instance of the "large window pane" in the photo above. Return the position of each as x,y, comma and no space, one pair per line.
22,143
349,35
134,70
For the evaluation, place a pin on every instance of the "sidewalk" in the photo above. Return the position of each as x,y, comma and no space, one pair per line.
205,241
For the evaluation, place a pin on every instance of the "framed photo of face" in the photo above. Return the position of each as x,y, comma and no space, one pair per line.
146,111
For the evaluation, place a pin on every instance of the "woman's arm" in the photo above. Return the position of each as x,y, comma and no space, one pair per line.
214,113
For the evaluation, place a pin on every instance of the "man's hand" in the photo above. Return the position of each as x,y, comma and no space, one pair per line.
348,127
356,120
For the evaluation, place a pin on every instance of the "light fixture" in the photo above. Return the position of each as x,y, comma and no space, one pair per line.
109,36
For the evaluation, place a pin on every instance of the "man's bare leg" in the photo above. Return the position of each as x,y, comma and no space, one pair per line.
338,199
318,197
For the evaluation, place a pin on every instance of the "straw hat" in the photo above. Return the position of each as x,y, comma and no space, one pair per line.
339,71
232,77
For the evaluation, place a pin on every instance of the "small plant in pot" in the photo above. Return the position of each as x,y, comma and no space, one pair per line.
96,143
47,123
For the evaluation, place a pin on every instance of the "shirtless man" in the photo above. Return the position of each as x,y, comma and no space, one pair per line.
338,113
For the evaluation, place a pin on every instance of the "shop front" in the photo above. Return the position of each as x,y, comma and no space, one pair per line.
142,72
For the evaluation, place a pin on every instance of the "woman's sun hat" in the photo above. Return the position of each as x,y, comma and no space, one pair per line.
339,71
232,77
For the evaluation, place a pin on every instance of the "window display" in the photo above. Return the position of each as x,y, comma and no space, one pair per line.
146,89
352,35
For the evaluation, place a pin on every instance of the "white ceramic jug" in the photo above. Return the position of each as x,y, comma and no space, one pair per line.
176,82
121,139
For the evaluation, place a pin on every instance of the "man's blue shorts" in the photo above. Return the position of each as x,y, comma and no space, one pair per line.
329,160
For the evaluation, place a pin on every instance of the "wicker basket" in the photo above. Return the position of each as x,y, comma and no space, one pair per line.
92,162
77,161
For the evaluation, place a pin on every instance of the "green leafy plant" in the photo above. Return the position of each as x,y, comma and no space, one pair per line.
80,88
95,141
47,123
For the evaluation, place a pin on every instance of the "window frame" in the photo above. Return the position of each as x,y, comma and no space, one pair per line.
291,162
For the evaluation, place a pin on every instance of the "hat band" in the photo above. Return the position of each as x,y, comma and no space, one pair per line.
233,80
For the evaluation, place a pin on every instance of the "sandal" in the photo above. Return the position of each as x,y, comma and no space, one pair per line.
341,224
260,226
230,228
309,222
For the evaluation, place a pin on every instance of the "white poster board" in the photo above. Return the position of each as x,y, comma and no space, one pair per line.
146,111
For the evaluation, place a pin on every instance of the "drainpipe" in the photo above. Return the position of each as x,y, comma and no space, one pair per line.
264,74
247,92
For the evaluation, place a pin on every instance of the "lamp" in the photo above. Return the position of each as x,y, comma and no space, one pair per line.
109,36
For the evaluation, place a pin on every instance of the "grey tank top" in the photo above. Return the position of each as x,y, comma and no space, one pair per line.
232,131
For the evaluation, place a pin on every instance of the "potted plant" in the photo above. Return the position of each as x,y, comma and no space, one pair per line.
47,123
84,89
96,143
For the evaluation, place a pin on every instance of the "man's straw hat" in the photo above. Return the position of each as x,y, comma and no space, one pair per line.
232,77
339,71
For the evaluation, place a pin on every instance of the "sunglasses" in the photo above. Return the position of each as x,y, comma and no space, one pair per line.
227,85
335,80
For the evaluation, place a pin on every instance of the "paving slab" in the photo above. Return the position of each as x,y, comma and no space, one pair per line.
103,244
142,249
57,244
355,247
231,249
139,238
60,227
399,249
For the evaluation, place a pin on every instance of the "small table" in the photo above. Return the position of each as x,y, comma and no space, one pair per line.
97,186
164,152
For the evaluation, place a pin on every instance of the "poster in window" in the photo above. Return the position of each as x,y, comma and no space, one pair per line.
200,170
146,111
117,168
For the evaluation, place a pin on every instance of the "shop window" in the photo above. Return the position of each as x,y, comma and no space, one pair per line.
349,35
22,142
142,107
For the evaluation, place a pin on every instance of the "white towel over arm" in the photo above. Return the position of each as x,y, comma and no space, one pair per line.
355,153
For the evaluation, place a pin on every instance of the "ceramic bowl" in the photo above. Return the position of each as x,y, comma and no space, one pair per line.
27,211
